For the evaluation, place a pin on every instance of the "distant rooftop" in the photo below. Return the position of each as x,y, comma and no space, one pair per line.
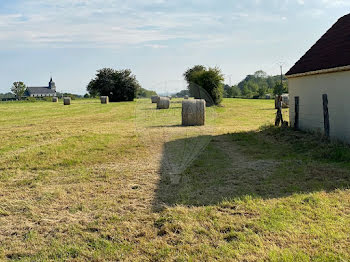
40,90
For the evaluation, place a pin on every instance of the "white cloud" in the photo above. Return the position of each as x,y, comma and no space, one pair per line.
156,46
97,23
114,23
336,3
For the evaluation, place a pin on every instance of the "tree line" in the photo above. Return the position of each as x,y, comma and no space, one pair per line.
119,85
203,83
257,85
208,83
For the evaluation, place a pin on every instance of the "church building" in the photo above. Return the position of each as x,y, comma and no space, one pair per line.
42,91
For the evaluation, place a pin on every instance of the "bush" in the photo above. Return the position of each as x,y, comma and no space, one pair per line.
210,80
31,99
48,99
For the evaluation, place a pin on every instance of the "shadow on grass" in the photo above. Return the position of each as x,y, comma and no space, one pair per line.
155,108
167,126
269,163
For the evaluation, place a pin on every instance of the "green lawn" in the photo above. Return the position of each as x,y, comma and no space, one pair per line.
125,182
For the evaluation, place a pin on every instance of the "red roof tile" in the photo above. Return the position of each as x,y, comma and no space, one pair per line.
331,51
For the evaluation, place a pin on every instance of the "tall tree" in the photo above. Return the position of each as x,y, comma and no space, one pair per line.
18,88
119,85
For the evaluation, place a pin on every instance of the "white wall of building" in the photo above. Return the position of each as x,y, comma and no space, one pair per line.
310,90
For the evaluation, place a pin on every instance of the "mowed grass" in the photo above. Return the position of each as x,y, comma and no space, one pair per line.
125,182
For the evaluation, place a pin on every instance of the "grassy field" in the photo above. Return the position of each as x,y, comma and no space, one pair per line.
125,182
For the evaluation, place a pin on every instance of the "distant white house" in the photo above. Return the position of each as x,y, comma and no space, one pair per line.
319,85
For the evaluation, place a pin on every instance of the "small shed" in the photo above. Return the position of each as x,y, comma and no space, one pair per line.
319,85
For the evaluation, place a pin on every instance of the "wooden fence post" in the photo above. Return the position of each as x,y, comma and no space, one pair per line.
325,115
296,119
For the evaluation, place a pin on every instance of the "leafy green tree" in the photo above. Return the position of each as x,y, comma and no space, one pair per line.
205,84
265,84
145,93
18,88
183,93
246,92
235,91
191,72
231,91
260,74
280,89
250,89
190,76
263,89
119,85
7,95
227,91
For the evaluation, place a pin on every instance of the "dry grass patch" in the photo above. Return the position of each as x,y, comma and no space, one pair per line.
126,182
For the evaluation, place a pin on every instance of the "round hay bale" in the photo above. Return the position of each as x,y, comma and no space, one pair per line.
104,99
186,97
154,99
66,101
277,101
55,99
193,112
285,101
163,103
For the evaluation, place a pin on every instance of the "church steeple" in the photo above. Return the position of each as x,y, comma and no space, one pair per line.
52,84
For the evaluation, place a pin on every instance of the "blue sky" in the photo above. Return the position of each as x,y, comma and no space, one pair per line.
157,39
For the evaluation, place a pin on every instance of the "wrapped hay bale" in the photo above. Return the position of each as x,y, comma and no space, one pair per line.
104,99
186,97
55,99
154,99
163,103
193,112
66,101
